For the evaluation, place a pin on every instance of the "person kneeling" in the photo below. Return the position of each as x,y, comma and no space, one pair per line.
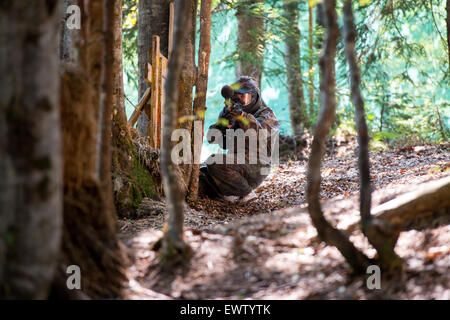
247,120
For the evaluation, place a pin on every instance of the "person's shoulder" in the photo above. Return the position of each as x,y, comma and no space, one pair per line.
264,110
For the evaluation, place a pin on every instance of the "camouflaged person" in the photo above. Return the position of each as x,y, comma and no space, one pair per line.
247,125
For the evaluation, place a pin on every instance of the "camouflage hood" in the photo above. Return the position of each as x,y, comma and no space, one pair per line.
247,84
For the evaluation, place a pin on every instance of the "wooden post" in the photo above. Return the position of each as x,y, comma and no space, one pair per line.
171,15
149,73
152,130
163,75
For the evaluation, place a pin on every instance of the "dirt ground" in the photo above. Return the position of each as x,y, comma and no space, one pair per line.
268,248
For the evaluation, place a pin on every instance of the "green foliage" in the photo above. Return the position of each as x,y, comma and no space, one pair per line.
403,64
403,61
383,135
130,52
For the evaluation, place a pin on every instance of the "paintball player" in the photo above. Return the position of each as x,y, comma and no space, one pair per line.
244,109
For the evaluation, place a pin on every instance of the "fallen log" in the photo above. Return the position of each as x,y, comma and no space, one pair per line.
429,201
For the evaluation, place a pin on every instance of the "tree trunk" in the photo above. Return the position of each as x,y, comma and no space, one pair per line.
441,125
297,106
118,103
107,98
389,260
90,231
30,148
201,88
382,114
153,19
447,20
131,177
186,83
356,259
68,36
173,247
144,47
250,43
311,69
320,22
319,42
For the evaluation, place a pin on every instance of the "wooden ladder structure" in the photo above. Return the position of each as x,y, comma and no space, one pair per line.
156,77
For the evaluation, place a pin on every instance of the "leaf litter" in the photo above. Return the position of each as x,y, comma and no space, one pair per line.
268,249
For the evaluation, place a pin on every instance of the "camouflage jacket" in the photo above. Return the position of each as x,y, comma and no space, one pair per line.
258,117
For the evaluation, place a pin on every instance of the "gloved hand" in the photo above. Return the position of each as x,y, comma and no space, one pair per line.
233,111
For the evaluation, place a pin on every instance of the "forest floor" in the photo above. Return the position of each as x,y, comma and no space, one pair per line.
268,249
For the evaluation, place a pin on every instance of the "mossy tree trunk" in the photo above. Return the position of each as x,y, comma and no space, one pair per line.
90,225
30,148
132,181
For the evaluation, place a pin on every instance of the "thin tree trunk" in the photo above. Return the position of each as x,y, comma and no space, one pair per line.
355,258
95,65
107,99
250,43
173,246
144,47
360,120
119,105
311,70
201,88
441,126
389,260
319,42
297,106
153,19
447,20
320,21
30,148
320,24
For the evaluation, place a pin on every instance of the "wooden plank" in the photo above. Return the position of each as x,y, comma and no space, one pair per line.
137,111
162,109
164,63
158,110
148,78
171,19
162,77
152,129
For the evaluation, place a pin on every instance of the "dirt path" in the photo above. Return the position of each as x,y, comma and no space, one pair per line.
261,250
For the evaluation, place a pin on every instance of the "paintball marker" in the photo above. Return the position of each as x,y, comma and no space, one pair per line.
233,104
